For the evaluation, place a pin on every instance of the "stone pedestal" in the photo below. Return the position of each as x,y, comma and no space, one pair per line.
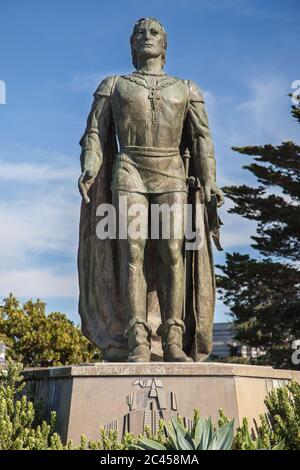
129,396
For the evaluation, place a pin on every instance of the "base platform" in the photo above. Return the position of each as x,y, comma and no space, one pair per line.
127,396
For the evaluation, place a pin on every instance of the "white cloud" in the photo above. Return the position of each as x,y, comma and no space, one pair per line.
210,100
36,173
39,226
85,82
38,283
236,231
264,116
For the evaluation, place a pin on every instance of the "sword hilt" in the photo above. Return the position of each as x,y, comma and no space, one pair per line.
190,180
186,158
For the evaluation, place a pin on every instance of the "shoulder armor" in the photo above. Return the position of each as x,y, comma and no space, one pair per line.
106,87
195,92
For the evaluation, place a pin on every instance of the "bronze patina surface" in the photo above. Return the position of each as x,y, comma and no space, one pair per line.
128,286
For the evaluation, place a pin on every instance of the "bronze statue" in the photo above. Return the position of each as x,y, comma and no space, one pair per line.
128,285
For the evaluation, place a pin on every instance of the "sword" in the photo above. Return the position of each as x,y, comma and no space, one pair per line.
186,159
214,221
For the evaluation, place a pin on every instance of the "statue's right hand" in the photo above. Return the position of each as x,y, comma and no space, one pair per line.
85,181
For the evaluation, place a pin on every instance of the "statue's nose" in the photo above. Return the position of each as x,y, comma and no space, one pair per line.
147,34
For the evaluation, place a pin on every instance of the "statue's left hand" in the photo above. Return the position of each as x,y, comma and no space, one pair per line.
211,188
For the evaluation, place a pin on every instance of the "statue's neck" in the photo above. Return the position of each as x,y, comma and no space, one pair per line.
150,65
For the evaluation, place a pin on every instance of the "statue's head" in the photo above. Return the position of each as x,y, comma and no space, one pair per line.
149,39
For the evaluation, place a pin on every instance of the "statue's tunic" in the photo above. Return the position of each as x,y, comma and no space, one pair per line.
155,118
149,113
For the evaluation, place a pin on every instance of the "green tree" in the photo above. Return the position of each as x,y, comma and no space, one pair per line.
263,294
37,339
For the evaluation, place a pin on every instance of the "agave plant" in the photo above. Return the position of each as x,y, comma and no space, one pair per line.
204,437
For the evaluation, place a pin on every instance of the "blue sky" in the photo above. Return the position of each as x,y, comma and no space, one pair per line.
242,53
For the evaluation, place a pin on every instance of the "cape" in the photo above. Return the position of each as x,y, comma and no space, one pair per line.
100,306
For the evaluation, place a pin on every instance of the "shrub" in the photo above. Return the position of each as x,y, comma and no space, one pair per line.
18,430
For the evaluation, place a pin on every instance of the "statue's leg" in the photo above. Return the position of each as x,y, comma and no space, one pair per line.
131,275
171,275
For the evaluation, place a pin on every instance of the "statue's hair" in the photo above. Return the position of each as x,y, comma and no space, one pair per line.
132,40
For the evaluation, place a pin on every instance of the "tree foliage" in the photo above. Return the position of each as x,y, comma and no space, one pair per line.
264,315
278,215
40,340
263,294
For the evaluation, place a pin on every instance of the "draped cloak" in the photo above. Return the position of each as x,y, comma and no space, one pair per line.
100,306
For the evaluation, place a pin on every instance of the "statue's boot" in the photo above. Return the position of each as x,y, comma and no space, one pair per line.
171,332
139,344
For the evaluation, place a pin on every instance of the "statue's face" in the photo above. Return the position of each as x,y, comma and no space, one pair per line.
149,39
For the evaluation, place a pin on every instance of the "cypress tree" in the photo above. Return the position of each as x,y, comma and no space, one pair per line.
263,294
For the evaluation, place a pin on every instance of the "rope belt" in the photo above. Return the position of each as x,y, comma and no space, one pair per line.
151,170
150,151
